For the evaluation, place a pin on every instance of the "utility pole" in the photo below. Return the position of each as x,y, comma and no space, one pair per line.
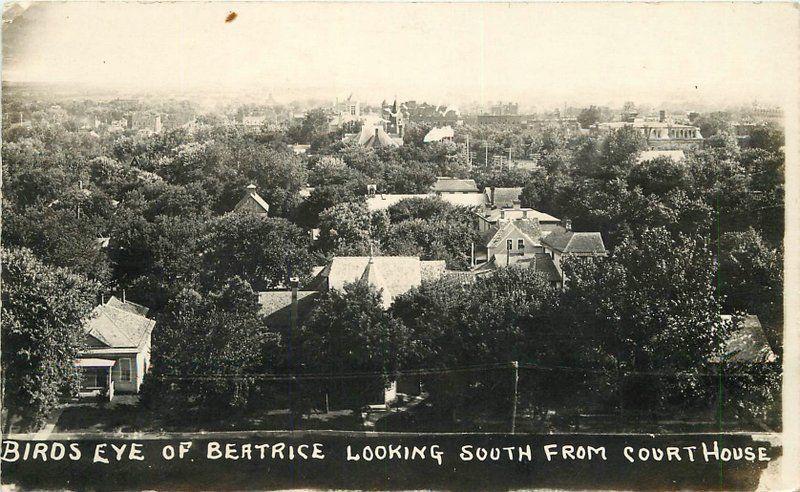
515,364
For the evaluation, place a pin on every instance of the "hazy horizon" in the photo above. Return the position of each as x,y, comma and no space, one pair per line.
540,55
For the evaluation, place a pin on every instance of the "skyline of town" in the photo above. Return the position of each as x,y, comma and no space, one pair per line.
577,56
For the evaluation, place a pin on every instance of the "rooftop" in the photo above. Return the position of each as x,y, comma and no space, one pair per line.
575,242
252,201
445,184
496,233
439,134
374,136
114,327
392,275
276,306
519,212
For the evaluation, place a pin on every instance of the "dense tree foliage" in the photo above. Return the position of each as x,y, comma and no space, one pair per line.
207,349
44,309
688,239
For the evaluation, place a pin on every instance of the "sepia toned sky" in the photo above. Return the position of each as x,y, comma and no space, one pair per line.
535,54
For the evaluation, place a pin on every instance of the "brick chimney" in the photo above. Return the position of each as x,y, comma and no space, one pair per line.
662,116
491,196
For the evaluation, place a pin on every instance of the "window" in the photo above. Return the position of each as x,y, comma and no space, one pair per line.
520,244
122,370
509,244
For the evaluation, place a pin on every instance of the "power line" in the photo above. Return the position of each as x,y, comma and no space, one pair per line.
433,372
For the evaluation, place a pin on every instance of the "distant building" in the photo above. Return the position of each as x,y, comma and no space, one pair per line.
440,134
527,237
252,202
373,136
345,112
660,135
504,109
146,123
117,353
395,119
445,185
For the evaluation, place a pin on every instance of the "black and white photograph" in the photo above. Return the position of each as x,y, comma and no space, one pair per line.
399,246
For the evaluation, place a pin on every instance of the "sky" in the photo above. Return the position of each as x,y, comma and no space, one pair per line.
536,54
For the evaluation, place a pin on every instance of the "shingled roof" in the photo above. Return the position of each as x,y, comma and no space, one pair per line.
542,263
115,328
575,242
276,306
528,227
375,136
252,202
393,275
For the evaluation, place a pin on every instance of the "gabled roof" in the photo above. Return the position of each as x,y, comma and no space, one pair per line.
575,242
453,185
252,202
375,136
527,227
393,275
118,328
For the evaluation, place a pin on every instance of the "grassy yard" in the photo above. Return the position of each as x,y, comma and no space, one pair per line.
126,414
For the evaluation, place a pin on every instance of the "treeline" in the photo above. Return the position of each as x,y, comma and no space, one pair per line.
163,202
